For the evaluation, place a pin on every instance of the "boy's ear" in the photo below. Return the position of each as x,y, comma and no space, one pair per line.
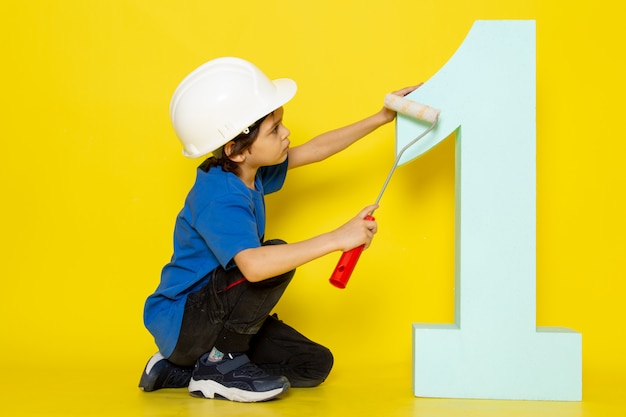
228,150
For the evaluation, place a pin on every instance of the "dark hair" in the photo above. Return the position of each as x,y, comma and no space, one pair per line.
243,142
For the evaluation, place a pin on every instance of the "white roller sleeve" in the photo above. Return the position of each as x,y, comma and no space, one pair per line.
411,108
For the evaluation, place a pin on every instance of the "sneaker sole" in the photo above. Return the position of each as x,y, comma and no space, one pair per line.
147,381
209,389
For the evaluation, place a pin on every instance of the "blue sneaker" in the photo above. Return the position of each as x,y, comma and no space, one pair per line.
235,378
161,373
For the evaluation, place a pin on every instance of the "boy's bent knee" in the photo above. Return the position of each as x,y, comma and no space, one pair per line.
315,373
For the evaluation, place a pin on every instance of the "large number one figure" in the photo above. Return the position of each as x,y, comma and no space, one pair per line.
493,350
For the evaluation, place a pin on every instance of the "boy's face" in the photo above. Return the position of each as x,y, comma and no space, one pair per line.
272,142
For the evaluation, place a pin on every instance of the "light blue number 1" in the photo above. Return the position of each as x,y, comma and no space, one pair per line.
486,93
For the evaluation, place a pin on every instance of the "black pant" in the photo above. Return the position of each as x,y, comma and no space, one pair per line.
231,314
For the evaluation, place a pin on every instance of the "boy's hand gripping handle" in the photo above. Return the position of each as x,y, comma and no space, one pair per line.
346,264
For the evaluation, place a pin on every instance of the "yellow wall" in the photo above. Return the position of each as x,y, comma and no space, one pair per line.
92,175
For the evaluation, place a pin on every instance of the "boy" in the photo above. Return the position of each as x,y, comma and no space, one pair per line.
210,313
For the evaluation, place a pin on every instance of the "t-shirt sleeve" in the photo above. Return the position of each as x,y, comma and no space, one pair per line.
228,226
273,177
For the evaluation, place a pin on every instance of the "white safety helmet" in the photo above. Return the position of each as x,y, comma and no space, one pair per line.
222,98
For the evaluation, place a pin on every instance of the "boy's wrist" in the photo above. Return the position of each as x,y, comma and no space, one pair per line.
385,116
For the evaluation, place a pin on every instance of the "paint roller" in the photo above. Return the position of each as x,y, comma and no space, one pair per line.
402,105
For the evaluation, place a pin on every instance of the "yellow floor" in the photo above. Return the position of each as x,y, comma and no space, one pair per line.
350,391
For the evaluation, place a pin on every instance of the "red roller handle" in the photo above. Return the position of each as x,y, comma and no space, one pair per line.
346,264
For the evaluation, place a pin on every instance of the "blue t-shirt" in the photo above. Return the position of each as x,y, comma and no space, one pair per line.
220,218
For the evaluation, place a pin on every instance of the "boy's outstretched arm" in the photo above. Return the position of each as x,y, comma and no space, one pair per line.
329,143
258,264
